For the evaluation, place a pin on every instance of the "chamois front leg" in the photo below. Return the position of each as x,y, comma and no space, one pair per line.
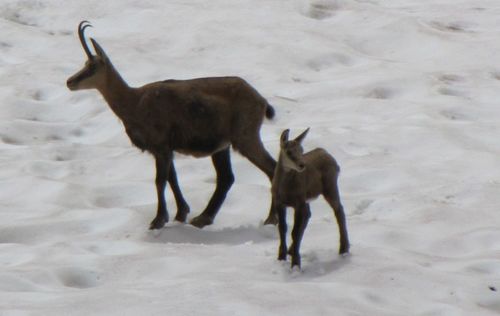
281,212
301,218
225,179
272,217
182,206
163,164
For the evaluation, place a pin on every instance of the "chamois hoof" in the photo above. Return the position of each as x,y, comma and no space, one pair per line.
181,215
201,221
158,223
271,220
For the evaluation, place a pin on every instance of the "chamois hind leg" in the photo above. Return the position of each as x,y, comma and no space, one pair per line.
254,151
163,165
301,218
225,180
332,196
182,206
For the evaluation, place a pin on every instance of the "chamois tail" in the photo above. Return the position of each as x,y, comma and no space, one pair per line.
270,111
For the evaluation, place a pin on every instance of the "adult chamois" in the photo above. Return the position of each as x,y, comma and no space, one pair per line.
197,117
297,179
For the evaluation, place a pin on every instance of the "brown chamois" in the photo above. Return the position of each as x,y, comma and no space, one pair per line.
297,179
198,117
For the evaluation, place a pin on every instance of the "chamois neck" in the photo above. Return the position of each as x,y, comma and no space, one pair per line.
121,98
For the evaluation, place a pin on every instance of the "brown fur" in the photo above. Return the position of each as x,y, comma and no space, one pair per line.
199,117
299,178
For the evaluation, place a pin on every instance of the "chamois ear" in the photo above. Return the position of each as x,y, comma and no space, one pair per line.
301,137
284,137
98,49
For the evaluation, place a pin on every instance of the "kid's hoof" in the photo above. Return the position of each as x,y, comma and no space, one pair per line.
158,223
201,221
282,254
295,264
296,261
344,250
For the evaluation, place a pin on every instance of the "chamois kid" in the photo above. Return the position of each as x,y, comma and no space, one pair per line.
298,178
198,117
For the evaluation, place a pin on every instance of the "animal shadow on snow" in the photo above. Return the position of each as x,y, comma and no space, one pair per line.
187,234
318,263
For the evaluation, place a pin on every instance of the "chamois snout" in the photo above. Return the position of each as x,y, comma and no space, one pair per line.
299,166
292,156
87,78
71,83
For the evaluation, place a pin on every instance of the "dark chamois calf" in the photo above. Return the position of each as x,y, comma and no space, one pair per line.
198,117
299,177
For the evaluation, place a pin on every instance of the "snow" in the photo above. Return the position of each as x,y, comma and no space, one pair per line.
403,93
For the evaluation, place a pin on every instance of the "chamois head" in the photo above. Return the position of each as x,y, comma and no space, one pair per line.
92,75
291,151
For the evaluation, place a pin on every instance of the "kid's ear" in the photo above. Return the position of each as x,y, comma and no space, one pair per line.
284,137
301,137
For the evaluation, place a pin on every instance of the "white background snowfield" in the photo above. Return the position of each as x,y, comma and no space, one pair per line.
405,94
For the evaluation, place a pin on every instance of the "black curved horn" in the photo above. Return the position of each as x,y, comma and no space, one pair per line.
81,28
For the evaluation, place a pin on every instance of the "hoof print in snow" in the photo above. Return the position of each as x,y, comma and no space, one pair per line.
453,115
450,92
381,93
450,85
78,278
362,206
455,27
320,10
6,139
327,61
450,78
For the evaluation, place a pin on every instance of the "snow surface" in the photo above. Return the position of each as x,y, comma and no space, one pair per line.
405,94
